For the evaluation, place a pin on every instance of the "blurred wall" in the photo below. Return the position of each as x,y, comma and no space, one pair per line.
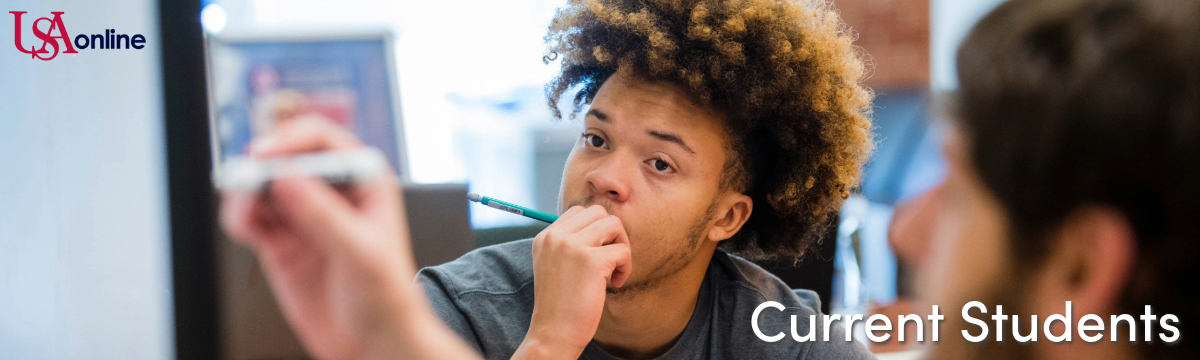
84,245
950,21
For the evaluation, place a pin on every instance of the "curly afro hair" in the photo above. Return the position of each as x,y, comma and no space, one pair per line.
784,74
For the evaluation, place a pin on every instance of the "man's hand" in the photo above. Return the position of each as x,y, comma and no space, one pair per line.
575,259
339,262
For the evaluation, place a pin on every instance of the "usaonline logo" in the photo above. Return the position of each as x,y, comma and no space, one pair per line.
110,39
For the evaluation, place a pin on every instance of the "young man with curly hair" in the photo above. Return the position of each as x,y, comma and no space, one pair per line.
712,128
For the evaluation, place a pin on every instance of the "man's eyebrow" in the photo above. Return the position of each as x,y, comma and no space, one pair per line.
656,134
670,137
599,115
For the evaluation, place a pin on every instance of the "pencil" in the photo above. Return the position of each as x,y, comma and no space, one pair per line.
512,208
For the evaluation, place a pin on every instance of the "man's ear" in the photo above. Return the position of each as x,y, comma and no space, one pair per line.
732,211
1094,255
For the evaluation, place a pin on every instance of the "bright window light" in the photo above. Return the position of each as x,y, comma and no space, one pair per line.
212,18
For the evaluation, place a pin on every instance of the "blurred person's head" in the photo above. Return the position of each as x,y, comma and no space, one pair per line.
1073,176
734,124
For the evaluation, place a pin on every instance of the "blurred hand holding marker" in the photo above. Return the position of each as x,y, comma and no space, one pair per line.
335,247
248,174
512,208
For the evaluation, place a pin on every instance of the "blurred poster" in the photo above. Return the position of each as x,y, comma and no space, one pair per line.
259,82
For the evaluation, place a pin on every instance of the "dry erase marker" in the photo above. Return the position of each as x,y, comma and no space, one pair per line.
512,208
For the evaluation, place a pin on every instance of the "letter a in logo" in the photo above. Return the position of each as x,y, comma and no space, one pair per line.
55,23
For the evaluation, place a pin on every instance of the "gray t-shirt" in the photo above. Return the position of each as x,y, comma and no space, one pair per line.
486,296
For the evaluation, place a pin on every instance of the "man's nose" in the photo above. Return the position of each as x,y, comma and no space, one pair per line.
610,181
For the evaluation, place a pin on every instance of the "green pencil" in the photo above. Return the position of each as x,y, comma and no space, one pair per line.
512,208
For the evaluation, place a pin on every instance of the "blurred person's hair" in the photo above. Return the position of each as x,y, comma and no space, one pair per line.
1075,103
784,75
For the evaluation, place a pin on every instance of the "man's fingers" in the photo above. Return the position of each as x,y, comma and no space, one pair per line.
584,218
303,135
619,258
605,230
574,210
381,197
311,207
247,220
235,216
612,245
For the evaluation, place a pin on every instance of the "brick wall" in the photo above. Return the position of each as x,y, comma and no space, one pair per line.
895,33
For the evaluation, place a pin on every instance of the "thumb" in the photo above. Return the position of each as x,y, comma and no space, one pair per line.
315,211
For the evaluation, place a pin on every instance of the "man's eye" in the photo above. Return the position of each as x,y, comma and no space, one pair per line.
593,140
660,165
